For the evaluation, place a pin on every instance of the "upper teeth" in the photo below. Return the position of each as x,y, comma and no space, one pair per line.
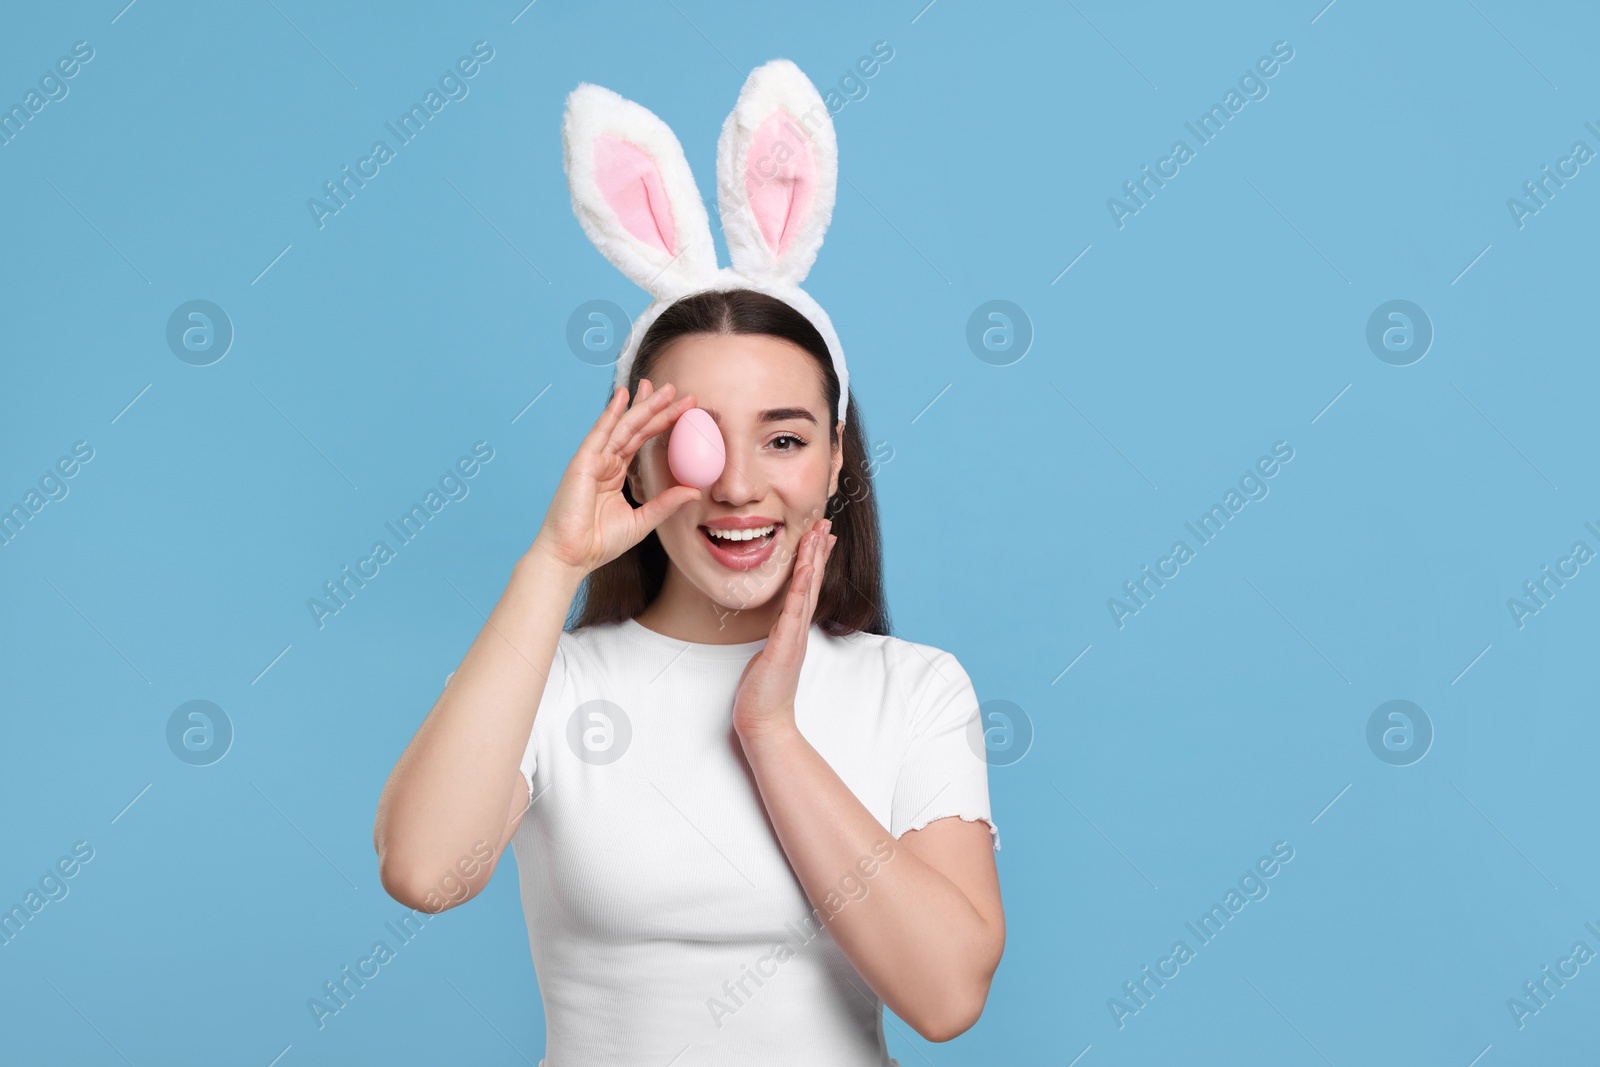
740,535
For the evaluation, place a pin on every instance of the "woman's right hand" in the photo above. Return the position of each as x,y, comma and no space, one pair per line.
590,523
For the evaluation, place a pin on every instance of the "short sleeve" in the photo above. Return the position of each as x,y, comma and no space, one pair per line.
554,693
945,771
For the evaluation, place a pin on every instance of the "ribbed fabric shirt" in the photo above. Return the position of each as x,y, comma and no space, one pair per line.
665,922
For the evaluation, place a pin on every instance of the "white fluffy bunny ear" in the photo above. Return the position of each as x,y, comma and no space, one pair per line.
777,174
634,194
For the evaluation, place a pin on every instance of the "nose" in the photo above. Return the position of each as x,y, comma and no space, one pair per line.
734,487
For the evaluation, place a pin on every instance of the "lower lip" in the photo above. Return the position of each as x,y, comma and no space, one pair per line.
740,560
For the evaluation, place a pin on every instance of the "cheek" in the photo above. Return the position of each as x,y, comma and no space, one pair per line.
805,483
652,478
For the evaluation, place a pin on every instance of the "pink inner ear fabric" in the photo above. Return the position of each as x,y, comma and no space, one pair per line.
631,183
780,178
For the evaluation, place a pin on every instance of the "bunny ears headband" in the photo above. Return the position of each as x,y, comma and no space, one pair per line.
777,174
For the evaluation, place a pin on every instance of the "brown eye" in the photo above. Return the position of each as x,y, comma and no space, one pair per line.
798,444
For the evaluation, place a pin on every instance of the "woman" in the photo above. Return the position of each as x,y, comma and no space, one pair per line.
659,885
745,817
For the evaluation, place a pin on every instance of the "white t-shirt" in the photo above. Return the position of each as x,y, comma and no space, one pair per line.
665,922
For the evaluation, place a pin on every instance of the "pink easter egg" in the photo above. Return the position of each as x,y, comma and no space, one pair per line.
695,452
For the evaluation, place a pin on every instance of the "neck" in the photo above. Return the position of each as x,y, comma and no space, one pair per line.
684,613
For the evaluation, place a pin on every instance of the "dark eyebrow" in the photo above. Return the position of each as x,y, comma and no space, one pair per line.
770,415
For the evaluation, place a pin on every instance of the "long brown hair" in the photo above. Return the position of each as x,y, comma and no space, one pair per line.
851,598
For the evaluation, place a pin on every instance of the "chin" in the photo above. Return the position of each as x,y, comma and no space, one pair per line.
738,592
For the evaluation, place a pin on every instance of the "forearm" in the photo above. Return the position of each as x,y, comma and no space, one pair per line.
448,790
911,932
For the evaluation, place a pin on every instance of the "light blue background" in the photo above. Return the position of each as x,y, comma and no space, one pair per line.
1225,316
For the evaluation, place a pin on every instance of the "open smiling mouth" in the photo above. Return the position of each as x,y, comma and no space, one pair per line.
740,550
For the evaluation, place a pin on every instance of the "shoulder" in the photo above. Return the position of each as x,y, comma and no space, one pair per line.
920,673
888,647
892,650
594,639
592,634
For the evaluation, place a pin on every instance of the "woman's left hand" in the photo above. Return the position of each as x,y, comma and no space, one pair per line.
764,699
